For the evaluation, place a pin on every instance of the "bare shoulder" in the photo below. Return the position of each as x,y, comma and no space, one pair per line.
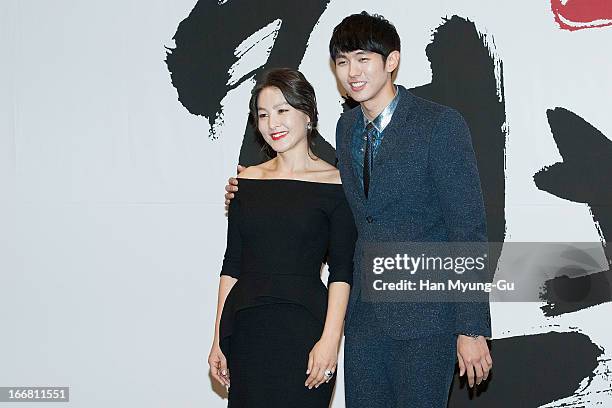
328,174
253,172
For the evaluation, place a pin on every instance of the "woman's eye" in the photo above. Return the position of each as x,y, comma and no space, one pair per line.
262,115
283,110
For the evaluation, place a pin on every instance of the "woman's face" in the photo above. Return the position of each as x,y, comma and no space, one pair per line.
282,126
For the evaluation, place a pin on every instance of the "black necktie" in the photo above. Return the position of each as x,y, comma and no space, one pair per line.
367,159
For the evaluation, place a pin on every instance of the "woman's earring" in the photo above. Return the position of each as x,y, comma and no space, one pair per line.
309,126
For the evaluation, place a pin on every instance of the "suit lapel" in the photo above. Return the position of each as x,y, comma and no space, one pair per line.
396,126
394,130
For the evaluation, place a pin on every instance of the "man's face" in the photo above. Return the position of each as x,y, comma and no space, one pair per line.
363,74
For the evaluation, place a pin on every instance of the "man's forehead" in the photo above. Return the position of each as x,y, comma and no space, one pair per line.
346,54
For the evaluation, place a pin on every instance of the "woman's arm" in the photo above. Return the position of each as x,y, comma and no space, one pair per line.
216,358
337,301
226,283
324,355
230,273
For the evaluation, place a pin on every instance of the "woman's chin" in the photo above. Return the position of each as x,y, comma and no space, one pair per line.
281,147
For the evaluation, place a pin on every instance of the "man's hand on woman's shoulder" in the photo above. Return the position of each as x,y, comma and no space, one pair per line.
232,187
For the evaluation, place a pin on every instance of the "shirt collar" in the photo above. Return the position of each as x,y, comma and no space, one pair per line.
384,117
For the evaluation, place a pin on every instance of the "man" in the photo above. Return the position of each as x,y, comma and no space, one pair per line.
409,173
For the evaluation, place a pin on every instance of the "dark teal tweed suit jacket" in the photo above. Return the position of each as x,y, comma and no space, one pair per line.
424,187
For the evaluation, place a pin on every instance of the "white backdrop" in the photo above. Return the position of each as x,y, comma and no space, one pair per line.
112,225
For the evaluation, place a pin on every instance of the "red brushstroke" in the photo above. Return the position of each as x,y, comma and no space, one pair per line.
580,14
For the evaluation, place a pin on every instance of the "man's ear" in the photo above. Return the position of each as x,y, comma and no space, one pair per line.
392,62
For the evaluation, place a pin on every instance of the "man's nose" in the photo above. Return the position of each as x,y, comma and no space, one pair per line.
354,70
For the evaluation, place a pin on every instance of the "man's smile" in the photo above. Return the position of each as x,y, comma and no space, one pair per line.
357,86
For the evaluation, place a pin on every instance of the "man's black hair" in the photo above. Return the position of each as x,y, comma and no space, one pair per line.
367,32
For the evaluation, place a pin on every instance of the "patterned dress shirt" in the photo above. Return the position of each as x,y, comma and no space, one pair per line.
377,133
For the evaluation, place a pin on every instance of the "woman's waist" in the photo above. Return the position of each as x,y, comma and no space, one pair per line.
299,288
282,275
252,290
265,266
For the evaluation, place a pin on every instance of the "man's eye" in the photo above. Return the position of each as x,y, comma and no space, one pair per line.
364,59
339,63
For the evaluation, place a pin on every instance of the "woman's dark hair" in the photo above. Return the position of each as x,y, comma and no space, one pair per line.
367,32
298,93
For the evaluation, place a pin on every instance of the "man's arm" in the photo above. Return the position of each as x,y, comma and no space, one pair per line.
231,188
456,178
457,182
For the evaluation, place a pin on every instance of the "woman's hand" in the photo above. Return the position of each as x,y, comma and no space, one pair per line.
322,357
218,365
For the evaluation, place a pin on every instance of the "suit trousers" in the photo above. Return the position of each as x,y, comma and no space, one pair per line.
380,371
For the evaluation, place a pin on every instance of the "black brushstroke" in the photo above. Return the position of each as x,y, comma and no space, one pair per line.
583,176
463,77
530,371
205,43
565,294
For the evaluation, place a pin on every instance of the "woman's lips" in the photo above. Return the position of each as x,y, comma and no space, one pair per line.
278,135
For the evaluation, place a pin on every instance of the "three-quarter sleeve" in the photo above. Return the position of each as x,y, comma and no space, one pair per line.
233,250
343,235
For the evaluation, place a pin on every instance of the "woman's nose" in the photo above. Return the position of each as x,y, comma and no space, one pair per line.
273,122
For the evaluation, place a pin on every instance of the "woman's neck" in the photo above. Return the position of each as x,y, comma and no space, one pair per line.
294,161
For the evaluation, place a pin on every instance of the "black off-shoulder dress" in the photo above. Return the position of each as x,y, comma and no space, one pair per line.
279,233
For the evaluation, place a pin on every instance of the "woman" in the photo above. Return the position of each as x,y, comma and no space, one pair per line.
278,328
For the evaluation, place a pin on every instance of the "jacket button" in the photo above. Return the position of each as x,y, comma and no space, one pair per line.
369,219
